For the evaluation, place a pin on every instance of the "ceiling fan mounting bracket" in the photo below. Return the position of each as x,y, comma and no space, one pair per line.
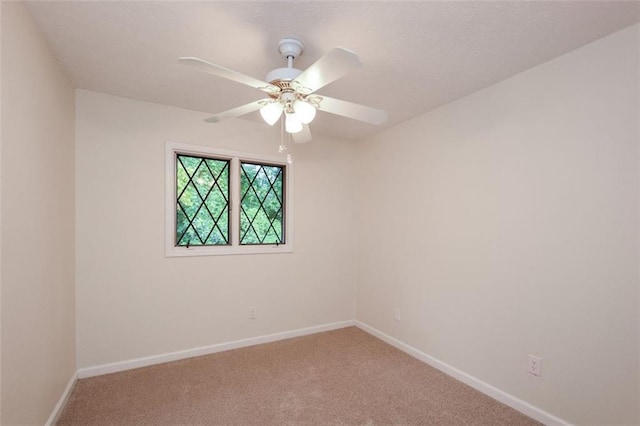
290,47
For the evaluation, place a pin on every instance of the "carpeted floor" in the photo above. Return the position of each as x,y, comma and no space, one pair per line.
345,377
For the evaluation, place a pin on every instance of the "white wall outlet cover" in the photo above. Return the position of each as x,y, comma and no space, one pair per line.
535,365
396,314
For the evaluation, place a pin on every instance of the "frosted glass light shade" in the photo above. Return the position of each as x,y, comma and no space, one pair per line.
271,112
292,124
305,111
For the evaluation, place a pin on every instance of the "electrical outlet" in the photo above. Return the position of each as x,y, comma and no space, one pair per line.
535,365
252,312
396,314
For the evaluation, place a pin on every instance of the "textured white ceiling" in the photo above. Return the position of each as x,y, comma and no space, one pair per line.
417,55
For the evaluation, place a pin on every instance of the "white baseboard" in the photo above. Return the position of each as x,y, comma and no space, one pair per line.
57,410
495,393
206,350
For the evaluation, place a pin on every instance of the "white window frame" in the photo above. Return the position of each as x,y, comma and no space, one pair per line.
235,157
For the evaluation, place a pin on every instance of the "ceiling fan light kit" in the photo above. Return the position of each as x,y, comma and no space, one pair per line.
305,111
271,112
291,91
292,124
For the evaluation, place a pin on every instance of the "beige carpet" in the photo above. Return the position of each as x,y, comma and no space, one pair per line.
345,377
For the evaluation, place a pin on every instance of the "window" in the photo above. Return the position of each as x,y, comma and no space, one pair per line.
261,203
202,204
226,202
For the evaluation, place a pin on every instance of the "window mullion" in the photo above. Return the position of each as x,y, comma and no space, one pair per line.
234,202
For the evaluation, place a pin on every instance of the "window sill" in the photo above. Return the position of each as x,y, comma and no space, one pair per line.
227,250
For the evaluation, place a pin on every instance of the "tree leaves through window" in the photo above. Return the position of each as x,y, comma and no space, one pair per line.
202,203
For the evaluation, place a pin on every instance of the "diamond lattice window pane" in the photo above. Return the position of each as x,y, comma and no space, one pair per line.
261,204
202,201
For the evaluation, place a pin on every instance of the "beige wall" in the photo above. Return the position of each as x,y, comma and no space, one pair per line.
511,228
134,302
38,325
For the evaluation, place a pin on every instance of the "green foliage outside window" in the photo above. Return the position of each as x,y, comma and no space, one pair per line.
261,204
202,201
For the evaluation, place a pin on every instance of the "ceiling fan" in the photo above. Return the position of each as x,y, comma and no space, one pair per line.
291,92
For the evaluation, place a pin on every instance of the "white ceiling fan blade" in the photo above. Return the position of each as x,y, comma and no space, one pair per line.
351,110
336,63
223,72
238,111
303,135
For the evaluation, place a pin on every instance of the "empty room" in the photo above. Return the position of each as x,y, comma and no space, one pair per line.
320,212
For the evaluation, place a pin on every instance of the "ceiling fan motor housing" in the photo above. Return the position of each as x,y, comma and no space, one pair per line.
283,74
